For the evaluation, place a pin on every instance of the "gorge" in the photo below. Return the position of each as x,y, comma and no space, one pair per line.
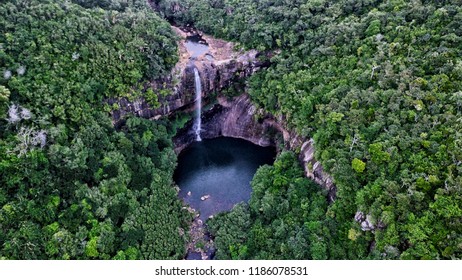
214,175
360,100
218,66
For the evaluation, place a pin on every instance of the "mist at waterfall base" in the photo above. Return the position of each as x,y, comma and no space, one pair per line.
221,168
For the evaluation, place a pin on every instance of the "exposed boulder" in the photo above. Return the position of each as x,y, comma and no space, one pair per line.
367,223
205,197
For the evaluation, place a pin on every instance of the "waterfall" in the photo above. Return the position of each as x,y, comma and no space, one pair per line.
198,123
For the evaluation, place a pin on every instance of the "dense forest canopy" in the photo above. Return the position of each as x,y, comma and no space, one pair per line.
378,85
72,187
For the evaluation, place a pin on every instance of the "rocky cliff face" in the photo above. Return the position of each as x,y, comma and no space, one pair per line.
239,118
230,118
218,68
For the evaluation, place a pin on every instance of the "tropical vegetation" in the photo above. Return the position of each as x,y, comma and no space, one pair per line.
378,86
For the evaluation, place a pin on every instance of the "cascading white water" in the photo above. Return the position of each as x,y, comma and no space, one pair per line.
198,124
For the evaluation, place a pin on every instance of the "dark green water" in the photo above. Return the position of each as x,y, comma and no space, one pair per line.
221,168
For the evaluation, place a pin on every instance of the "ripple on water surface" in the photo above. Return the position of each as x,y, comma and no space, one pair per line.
221,168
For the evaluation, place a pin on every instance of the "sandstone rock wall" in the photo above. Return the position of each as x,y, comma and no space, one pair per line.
239,118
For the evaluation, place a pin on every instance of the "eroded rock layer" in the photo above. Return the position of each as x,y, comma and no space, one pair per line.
218,68
239,118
